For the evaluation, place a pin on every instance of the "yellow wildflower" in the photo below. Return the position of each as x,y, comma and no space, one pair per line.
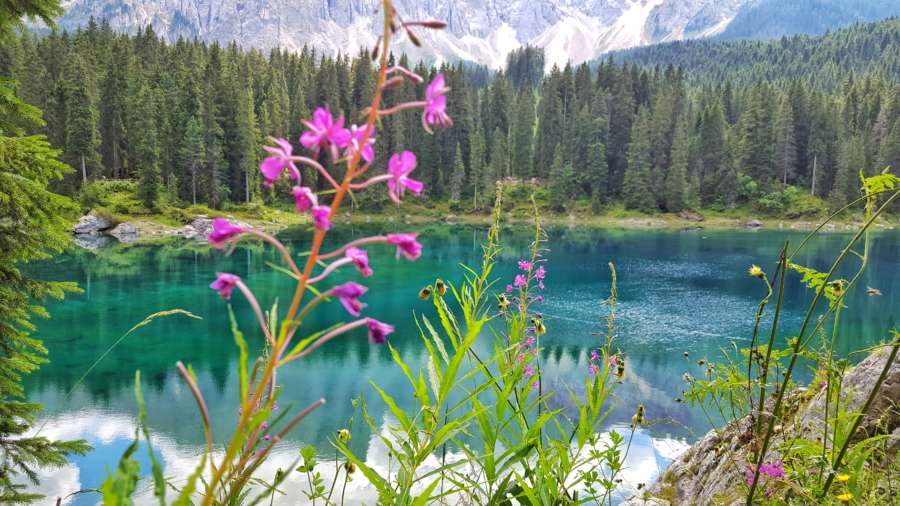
344,435
842,478
502,301
846,497
539,328
756,272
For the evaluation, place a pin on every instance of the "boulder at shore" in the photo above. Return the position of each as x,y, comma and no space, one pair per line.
712,471
91,224
125,232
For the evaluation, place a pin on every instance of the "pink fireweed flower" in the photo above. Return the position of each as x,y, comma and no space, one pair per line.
595,356
222,232
509,288
273,166
357,133
540,272
225,284
325,132
519,281
435,112
378,331
407,245
530,341
349,294
360,259
539,298
321,216
529,372
304,198
524,265
594,369
399,167
540,285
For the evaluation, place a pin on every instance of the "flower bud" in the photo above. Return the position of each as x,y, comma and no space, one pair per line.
441,287
425,292
344,435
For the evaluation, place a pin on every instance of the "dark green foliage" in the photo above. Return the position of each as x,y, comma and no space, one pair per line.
34,224
636,187
742,113
823,61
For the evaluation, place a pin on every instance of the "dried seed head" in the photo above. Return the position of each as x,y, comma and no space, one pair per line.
425,292
440,286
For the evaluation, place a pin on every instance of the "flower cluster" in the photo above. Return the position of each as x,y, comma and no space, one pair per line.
767,472
353,146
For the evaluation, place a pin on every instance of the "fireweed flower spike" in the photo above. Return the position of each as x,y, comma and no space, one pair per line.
378,331
304,198
321,217
360,259
399,167
325,132
225,284
222,232
349,294
435,112
273,166
357,139
407,245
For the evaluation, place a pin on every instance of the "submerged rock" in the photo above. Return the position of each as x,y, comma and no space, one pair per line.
91,224
125,232
754,224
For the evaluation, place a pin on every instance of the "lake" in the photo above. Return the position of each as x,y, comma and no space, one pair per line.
679,291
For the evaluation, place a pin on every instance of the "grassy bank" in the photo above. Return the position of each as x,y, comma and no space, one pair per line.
116,200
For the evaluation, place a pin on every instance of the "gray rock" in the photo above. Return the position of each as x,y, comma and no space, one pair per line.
91,224
201,226
754,224
125,232
649,501
687,214
711,472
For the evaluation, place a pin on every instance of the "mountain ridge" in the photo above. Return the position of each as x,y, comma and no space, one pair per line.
483,32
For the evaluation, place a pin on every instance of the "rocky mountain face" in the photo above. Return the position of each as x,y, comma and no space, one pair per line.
481,31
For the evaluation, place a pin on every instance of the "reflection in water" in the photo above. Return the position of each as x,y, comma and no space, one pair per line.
679,291
111,433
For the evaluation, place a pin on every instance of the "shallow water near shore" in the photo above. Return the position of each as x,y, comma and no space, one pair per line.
678,292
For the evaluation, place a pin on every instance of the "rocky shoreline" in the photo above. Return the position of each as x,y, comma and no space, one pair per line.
712,471
93,231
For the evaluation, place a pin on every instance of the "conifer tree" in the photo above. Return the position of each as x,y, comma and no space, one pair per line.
636,186
193,158
677,194
82,138
144,145
562,181
457,178
852,161
785,142
28,164
522,135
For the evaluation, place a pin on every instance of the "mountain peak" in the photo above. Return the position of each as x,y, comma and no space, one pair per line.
481,31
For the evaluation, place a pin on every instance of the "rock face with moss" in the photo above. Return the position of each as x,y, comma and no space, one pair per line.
712,471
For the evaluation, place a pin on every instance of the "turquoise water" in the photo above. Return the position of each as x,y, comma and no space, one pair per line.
678,291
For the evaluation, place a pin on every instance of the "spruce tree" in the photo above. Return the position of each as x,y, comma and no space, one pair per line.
522,136
144,145
852,161
636,186
457,178
562,181
82,138
676,193
785,143
28,164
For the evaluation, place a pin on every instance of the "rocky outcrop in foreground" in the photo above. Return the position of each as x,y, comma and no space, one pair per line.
711,472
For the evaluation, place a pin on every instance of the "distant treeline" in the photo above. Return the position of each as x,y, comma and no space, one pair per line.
190,118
